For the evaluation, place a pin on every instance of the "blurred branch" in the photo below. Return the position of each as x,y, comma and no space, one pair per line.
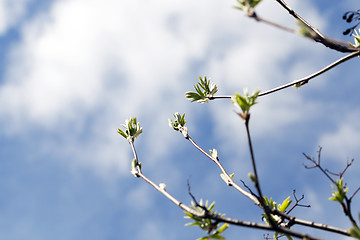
339,193
317,36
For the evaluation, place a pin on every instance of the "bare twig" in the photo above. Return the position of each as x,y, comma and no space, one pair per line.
340,175
252,14
353,195
317,165
297,203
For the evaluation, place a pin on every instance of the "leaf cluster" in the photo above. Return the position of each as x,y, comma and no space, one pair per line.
356,39
339,191
280,207
210,226
245,102
179,123
204,91
132,129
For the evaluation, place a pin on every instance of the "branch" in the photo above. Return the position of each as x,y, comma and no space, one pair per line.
317,36
252,14
257,183
305,80
230,181
222,218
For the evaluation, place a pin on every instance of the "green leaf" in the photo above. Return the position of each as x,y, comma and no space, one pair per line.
179,123
132,129
355,231
339,192
222,228
245,102
285,204
356,39
204,91
206,224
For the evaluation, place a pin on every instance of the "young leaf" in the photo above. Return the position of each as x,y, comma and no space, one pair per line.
285,204
356,39
132,129
204,91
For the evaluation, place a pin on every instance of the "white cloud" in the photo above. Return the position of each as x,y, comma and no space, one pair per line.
114,59
342,143
11,12
124,58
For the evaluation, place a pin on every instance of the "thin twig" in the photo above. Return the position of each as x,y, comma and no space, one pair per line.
308,78
271,23
219,218
257,183
303,80
353,195
230,181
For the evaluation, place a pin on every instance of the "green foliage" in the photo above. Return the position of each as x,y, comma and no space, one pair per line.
280,207
245,102
210,226
355,231
132,129
204,91
339,191
356,39
179,123
245,5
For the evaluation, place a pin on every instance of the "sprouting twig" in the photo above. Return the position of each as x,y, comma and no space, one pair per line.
303,80
346,203
229,179
219,218
306,79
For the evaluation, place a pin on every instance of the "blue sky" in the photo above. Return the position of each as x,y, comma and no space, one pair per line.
71,72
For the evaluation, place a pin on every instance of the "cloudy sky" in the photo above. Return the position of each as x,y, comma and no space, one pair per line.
72,71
